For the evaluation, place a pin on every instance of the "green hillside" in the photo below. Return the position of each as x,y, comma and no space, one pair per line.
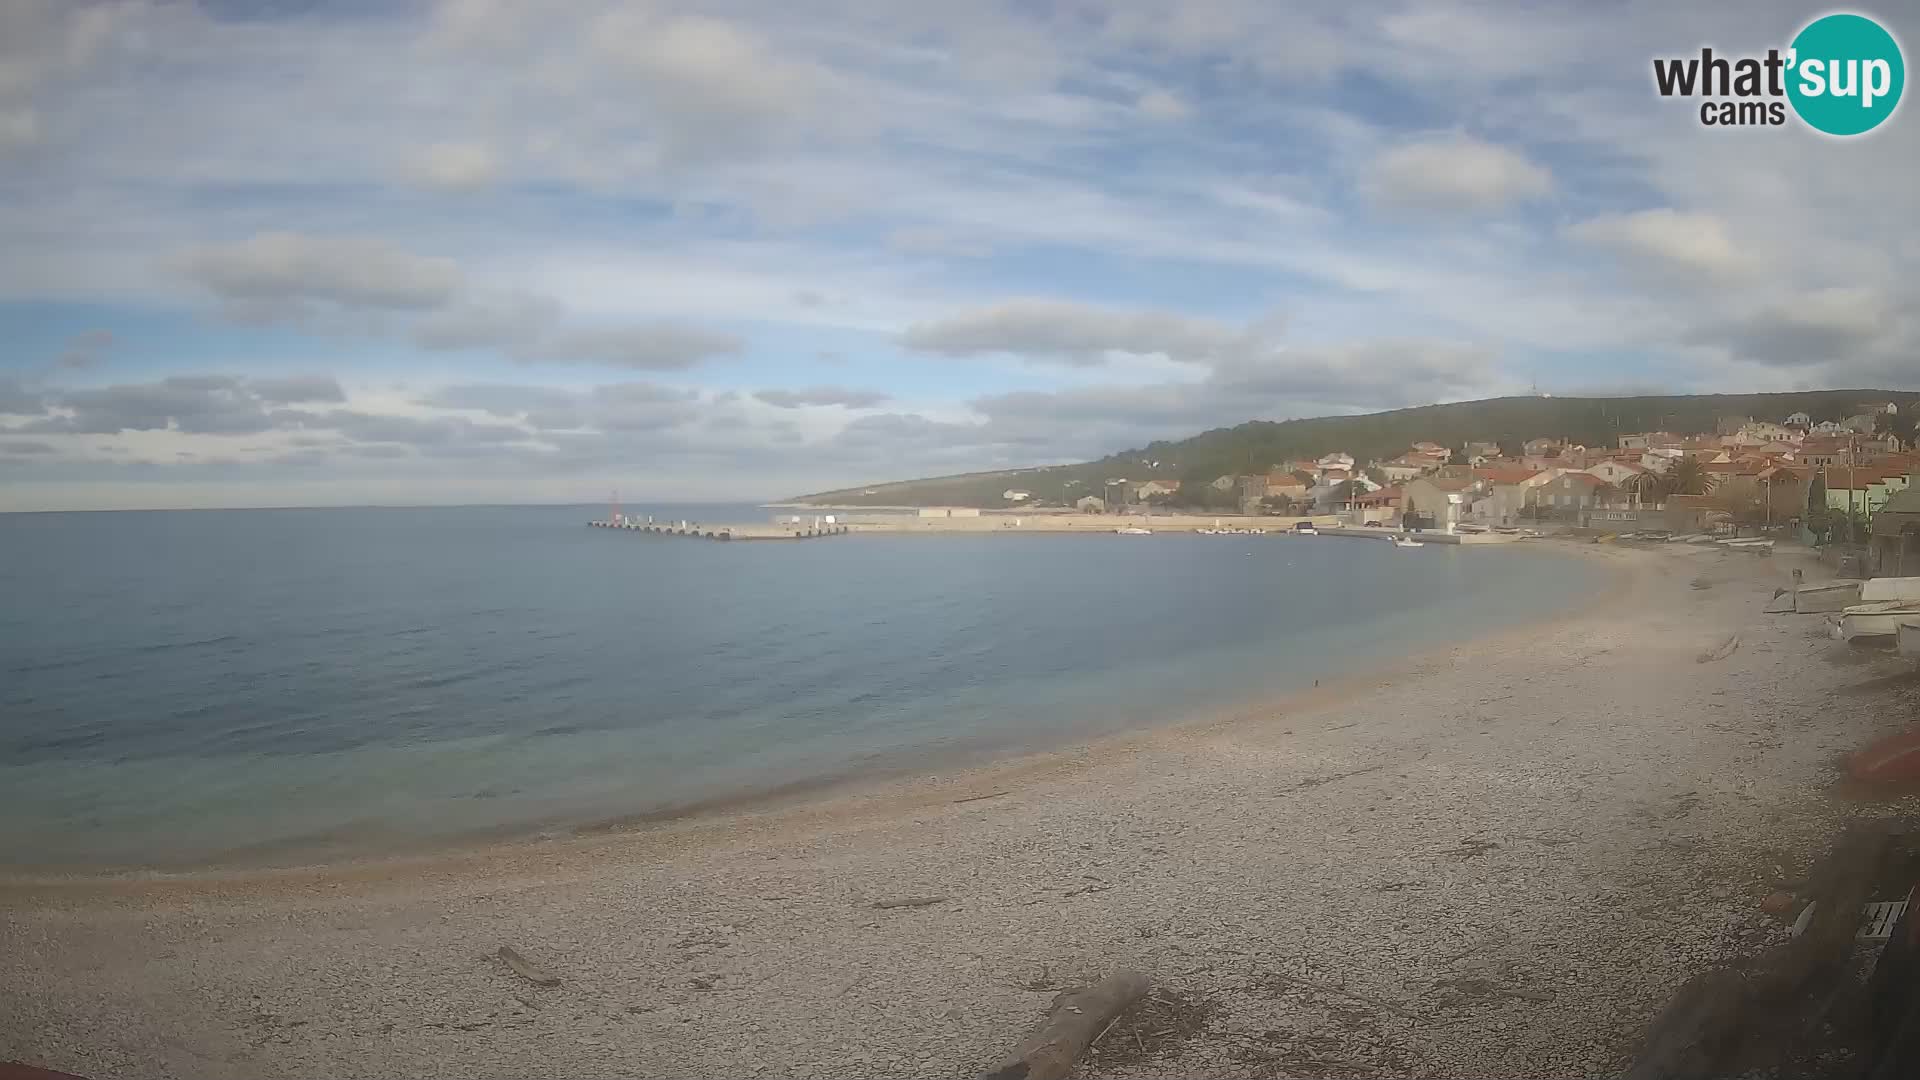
1259,444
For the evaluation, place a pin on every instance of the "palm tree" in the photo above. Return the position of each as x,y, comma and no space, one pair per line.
1688,477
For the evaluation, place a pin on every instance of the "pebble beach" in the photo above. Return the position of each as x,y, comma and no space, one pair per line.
1497,859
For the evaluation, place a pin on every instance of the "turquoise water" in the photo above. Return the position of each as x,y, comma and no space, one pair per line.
186,687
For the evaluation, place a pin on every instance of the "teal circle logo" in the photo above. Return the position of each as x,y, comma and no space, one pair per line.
1845,74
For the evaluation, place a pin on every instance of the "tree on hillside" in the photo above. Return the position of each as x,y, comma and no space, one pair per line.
1899,425
1374,474
1278,505
1459,456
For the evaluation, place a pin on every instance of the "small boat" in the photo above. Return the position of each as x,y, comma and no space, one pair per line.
1880,619
1406,541
1889,588
1134,530
1825,596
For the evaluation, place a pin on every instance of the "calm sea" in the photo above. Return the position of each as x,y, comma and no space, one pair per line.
274,685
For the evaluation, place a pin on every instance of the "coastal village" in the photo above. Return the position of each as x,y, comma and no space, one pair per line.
1848,482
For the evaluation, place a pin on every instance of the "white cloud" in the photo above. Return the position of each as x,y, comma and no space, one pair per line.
345,270
1669,239
456,166
932,241
502,320
19,128
657,346
1456,172
1162,105
1066,332
1843,328
712,86
822,395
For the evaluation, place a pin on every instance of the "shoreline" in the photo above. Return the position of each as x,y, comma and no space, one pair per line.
906,785
1502,861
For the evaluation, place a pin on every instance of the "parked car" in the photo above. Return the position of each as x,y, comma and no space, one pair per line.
1372,525
1305,528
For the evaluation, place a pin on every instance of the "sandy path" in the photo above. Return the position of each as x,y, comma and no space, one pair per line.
1499,864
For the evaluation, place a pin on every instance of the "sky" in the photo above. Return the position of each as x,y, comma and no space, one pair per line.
289,252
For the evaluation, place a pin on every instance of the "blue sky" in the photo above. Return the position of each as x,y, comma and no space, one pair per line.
309,253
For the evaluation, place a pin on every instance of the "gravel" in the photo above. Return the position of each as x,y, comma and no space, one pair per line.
1500,861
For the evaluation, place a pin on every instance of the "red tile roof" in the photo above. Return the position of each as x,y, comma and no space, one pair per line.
1580,479
1507,474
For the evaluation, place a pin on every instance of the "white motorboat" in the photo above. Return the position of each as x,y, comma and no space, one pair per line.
1879,619
1134,531
1827,596
1889,588
1406,541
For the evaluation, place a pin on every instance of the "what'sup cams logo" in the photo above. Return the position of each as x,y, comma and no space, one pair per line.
1842,75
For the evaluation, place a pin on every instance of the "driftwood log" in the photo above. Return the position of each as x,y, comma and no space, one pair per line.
525,968
1076,1020
1716,1015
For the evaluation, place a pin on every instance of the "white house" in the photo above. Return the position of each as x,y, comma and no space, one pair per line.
1660,460
1799,419
1398,470
1617,473
1762,431
1016,495
1155,487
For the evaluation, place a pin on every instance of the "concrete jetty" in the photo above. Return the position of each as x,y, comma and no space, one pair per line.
701,531
1425,536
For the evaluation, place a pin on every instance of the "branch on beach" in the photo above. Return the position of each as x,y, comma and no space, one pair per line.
1077,1019
520,966
1720,651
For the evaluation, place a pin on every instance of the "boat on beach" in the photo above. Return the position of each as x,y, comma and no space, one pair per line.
1826,596
1889,588
1879,619
1134,530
